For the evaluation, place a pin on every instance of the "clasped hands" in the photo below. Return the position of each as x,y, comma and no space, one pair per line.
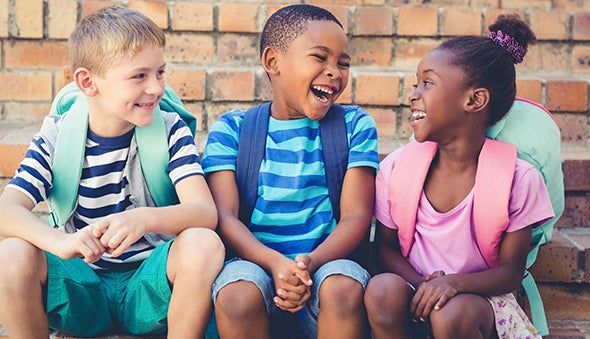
292,279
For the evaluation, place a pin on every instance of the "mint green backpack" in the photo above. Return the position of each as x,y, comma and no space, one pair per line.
152,144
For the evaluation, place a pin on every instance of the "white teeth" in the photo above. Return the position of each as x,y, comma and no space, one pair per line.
418,115
323,89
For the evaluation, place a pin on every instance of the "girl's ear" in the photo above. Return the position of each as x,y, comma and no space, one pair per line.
478,99
270,61
84,80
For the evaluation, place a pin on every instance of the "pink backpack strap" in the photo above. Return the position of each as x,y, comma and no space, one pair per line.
405,189
491,196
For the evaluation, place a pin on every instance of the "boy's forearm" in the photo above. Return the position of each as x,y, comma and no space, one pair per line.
174,219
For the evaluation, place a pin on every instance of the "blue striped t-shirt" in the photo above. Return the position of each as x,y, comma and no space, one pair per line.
293,213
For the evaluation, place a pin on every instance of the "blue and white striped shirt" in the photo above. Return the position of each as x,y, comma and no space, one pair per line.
293,213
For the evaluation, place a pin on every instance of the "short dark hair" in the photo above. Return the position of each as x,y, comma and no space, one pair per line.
487,64
288,23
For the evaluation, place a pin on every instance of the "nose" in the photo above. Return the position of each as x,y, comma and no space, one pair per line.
333,72
413,95
155,85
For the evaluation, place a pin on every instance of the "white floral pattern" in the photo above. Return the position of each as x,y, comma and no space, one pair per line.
511,321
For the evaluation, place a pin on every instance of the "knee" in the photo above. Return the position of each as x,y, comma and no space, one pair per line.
387,294
21,263
239,300
199,247
343,293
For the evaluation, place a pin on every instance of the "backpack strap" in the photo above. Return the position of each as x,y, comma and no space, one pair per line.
493,183
405,189
251,150
491,196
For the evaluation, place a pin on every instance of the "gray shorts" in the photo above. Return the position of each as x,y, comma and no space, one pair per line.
307,318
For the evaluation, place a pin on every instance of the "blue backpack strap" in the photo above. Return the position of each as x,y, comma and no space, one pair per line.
252,146
250,154
335,150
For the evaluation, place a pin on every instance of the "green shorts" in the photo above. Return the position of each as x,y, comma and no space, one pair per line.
85,302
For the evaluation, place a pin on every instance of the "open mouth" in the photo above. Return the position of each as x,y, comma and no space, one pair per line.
323,93
417,116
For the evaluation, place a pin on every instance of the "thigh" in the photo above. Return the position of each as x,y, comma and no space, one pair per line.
464,313
76,299
144,309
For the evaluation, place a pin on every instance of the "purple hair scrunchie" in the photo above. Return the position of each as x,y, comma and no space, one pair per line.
509,44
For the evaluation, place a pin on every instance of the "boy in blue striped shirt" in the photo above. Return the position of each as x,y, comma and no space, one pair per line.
122,264
291,255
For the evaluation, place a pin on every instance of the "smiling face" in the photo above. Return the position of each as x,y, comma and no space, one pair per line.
310,76
438,100
126,94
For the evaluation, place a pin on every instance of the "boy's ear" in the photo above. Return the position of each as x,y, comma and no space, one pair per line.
477,100
84,80
270,61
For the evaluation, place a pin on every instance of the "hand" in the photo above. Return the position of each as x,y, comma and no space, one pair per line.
81,244
432,294
292,292
119,231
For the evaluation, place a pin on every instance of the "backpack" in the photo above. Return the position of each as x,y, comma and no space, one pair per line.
534,132
152,144
252,147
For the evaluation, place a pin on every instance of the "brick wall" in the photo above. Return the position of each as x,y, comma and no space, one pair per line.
212,52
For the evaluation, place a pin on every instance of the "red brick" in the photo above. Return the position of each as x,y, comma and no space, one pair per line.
192,16
4,9
461,21
36,54
550,25
373,21
25,86
196,108
570,5
29,18
407,88
581,26
237,85
485,3
61,18
238,48
26,111
581,59
346,96
408,53
573,127
527,4
576,212
188,47
91,6
546,55
405,129
408,17
370,51
577,175
529,89
558,261
565,301
189,83
238,17
157,10
385,120
567,95
263,87
377,89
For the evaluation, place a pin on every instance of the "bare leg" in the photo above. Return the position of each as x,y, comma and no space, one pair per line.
342,312
194,260
23,272
464,316
240,312
387,300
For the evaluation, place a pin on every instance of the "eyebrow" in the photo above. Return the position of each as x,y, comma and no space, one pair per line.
327,50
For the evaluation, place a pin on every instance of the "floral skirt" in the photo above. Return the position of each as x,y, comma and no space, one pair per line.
511,321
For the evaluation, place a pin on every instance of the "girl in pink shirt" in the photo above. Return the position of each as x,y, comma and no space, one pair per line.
441,280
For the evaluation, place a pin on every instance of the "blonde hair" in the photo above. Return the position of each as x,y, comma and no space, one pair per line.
109,35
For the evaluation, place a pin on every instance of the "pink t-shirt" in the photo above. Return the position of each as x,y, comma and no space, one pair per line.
446,241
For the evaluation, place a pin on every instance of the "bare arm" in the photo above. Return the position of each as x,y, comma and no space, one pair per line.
356,209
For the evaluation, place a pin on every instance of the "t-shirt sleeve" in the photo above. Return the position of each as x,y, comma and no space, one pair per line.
363,138
184,156
221,151
529,200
